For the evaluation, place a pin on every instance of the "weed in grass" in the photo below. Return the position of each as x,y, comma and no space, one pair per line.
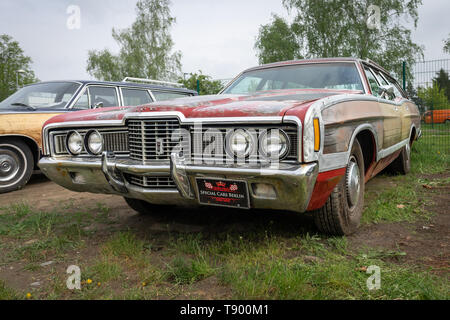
124,244
42,249
186,271
7,293
102,271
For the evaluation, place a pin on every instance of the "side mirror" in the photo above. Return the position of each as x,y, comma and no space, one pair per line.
387,90
98,105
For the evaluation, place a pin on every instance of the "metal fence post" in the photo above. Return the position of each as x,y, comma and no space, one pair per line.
404,75
198,86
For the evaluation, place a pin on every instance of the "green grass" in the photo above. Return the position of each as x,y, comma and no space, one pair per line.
124,244
426,158
7,293
187,271
332,275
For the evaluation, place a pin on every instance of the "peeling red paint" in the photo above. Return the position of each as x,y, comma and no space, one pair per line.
325,183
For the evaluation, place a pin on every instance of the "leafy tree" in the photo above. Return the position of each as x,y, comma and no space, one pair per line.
12,59
339,28
277,41
145,47
433,97
443,82
206,84
447,45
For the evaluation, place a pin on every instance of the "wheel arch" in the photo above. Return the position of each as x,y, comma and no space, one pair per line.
30,142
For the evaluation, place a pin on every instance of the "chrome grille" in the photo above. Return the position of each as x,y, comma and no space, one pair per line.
157,182
114,140
144,135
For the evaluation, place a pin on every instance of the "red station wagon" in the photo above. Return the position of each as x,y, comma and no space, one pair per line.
298,136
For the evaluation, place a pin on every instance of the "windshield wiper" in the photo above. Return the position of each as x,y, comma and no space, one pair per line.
20,104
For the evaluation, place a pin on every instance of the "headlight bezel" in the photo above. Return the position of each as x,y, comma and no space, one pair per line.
262,145
87,146
228,143
68,136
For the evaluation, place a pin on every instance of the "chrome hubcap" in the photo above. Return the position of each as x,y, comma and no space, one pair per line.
8,167
353,182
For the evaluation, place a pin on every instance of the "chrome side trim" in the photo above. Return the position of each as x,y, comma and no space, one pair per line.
385,152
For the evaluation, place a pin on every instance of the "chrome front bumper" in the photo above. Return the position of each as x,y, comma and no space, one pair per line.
292,183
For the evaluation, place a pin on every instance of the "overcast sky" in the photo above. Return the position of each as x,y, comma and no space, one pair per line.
214,36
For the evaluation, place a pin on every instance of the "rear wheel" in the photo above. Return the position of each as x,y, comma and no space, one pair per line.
16,165
341,214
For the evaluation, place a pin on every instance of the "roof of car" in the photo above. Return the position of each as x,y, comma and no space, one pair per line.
317,60
124,84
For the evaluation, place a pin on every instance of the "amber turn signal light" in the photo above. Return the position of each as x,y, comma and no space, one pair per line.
316,134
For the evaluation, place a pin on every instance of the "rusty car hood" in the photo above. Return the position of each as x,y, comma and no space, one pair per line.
260,104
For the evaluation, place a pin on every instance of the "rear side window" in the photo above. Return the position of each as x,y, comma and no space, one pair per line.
105,95
135,97
167,95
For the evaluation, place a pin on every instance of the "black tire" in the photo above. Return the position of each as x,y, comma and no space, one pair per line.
341,214
402,164
16,164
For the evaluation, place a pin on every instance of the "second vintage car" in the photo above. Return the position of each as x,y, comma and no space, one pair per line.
298,135
23,113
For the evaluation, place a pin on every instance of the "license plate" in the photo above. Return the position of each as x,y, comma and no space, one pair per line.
223,192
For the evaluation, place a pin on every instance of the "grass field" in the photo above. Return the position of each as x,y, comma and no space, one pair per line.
200,254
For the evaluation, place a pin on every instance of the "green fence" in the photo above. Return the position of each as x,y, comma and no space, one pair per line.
431,92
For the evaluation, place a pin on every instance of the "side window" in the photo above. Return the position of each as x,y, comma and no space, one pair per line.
374,86
381,79
247,85
105,95
167,95
135,97
82,102
397,92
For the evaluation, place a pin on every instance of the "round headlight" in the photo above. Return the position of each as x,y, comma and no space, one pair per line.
94,142
240,143
274,144
74,142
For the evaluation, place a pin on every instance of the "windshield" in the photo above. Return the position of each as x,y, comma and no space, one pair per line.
302,76
54,95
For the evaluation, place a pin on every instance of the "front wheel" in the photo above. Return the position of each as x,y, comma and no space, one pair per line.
16,165
341,214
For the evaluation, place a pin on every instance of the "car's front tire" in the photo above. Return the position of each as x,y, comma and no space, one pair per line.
16,164
341,214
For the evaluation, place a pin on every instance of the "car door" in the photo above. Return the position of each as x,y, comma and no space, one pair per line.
390,111
408,111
